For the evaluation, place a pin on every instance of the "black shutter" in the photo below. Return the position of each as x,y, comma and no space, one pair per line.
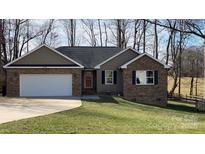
103,77
155,77
133,77
115,77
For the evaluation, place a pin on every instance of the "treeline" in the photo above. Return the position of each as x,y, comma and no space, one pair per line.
193,67
193,62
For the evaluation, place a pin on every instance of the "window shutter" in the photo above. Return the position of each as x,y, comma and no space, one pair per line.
115,77
155,77
133,77
103,77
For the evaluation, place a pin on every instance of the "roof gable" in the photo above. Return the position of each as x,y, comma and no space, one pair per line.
43,56
140,56
119,60
109,59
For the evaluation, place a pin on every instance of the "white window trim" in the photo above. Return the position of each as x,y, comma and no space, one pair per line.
112,77
147,84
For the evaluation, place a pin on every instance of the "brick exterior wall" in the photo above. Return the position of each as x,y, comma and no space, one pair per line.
148,94
1,80
13,87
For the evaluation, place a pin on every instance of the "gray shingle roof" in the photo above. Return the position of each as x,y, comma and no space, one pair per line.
89,57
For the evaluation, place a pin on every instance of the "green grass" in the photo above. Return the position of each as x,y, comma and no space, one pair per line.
114,115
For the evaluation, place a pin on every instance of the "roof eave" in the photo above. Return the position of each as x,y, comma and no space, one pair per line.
20,67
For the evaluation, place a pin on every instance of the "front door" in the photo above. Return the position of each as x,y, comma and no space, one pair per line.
88,80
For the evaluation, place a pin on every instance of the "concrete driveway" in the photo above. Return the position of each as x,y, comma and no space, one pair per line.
12,109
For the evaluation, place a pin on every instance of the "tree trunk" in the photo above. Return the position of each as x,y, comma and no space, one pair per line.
144,35
48,30
168,46
106,36
174,85
27,35
72,30
155,40
1,64
180,63
135,35
99,26
3,42
191,86
196,86
10,41
16,39
136,38
119,37
197,75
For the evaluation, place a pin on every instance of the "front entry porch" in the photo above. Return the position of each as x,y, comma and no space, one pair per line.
89,82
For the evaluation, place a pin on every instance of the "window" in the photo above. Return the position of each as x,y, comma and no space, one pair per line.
108,77
144,77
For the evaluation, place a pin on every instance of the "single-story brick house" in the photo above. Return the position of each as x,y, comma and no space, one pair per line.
76,71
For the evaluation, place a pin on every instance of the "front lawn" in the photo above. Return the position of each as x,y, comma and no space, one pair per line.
114,115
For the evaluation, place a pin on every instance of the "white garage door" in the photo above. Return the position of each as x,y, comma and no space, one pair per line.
45,85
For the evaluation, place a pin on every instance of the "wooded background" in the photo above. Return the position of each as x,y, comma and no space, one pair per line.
177,42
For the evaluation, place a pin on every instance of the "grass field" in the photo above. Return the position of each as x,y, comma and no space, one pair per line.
185,86
114,115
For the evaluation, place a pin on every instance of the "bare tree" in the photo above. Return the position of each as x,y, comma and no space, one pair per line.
1,36
22,37
155,51
192,60
171,32
47,31
70,28
122,36
119,33
2,43
1,63
138,33
106,35
136,26
197,76
90,31
144,35
100,31
173,72
182,37
191,84
176,44
16,37
193,27
27,34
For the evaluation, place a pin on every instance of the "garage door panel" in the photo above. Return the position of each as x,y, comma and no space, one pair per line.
45,85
